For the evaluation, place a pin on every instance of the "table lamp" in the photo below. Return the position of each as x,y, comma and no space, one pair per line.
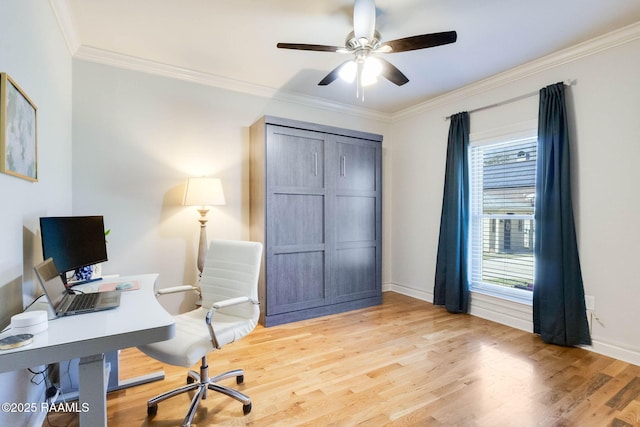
203,192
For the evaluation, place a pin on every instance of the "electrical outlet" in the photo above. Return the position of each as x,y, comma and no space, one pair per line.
590,302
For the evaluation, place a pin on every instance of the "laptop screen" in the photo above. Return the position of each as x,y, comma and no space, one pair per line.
51,281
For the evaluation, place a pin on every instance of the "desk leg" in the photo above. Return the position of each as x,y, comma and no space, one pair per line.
93,399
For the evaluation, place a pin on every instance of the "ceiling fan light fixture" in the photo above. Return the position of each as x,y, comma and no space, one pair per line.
371,70
365,41
348,72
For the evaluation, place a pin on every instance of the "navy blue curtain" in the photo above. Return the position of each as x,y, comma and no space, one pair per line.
451,288
559,312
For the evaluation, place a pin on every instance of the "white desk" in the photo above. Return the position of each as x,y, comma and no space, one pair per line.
140,319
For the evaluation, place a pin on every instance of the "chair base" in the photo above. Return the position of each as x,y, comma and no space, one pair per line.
201,383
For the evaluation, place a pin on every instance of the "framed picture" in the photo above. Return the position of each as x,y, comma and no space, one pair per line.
18,131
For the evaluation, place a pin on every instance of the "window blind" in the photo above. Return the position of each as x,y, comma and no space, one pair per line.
502,214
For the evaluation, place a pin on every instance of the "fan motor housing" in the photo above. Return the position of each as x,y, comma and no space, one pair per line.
353,43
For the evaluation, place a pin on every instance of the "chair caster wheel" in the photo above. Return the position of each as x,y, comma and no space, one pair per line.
152,410
240,380
246,408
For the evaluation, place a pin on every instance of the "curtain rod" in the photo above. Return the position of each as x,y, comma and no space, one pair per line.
567,82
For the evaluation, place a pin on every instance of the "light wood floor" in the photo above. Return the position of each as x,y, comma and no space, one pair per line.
404,363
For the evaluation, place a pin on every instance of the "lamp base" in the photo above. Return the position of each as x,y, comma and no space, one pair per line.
202,244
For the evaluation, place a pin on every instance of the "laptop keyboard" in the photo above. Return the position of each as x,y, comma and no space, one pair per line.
83,302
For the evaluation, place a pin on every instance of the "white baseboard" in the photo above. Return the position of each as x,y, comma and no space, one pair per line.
615,351
408,291
515,315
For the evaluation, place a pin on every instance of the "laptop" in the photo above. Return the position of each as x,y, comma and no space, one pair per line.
66,304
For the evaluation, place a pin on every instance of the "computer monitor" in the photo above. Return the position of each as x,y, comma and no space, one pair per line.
73,241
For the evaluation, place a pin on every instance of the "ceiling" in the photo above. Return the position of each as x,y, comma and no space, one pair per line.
234,41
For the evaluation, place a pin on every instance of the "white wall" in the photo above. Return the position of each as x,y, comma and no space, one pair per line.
605,119
33,53
137,137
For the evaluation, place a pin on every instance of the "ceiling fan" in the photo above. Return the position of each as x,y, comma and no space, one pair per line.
365,42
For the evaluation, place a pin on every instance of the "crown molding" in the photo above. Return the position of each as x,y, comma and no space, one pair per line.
590,47
65,22
607,41
133,63
78,51
127,62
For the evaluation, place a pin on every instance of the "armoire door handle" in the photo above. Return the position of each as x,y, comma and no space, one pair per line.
315,161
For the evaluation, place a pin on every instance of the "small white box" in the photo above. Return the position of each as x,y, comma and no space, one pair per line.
29,322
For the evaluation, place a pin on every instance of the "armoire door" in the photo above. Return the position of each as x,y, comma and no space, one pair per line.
357,217
295,220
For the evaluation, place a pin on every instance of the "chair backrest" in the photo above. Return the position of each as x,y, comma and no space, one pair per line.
231,270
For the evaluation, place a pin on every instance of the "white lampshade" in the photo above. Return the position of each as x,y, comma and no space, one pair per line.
203,192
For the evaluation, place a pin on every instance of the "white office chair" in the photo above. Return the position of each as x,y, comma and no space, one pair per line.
229,311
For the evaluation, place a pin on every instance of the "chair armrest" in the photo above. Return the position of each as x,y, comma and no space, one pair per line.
176,289
223,304
233,301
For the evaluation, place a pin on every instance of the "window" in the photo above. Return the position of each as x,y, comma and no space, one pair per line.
502,217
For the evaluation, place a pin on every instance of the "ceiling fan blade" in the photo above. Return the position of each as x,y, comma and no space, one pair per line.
392,73
333,75
314,47
421,42
364,19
